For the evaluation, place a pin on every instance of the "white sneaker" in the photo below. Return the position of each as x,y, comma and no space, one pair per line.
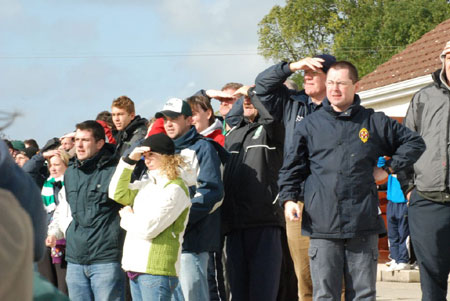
402,266
392,266
390,262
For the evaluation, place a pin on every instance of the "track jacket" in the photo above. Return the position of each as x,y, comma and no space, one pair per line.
251,173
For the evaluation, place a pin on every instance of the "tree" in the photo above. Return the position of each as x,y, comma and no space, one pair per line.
365,32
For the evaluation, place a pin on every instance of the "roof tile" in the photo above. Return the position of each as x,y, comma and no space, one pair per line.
417,59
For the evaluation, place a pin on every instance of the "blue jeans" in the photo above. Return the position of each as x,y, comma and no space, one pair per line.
354,259
102,281
153,287
193,277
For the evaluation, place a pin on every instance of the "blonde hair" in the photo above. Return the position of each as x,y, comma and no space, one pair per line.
63,155
170,165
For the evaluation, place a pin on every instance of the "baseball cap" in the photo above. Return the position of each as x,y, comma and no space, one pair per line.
175,107
328,60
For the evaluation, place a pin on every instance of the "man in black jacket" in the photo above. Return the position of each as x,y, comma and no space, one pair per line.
130,127
335,152
94,238
251,218
290,107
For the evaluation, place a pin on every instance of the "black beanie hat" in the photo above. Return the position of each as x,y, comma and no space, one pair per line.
160,143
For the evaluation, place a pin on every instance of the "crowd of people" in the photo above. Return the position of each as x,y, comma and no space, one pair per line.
273,199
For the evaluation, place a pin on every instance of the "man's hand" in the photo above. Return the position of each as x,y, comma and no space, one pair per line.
219,95
125,210
379,174
292,211
50,241
48,154
137,152
241,91
308,63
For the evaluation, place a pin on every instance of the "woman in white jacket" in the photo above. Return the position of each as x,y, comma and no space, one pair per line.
155,217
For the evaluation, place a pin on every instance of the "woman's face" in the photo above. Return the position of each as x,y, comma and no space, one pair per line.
200,118
152,160
56,167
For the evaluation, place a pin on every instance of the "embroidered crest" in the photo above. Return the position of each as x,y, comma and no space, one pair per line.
364,135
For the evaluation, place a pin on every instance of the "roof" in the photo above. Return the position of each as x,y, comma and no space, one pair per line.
417,59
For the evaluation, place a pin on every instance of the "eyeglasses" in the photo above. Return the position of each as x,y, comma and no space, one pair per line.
331,83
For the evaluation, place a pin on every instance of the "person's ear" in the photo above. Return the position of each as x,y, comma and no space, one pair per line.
100,144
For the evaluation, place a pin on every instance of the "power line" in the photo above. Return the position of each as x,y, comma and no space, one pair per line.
136,55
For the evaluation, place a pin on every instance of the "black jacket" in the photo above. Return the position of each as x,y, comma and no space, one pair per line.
136,130
335,153
286,106
251,173
94,235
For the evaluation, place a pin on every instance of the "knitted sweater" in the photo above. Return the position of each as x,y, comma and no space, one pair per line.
156,227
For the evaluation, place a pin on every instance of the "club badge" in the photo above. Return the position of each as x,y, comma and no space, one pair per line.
364,135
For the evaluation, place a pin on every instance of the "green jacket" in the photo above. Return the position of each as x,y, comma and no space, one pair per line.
94,235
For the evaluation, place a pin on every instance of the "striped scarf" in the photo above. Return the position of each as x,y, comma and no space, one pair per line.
47,194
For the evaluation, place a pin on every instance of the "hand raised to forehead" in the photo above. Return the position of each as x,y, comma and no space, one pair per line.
219,95
138,151
307,63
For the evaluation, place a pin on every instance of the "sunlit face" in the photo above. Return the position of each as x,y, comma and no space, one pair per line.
314,83
121,118
340,89
200,118
178,126
21,159
225,106
56,167
85,144
447,67
249,110
152,160
67,144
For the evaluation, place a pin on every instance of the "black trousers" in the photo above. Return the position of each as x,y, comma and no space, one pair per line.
254,263
429,225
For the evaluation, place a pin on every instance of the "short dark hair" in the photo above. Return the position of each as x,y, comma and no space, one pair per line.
106,117
31,142
352,71
94,127
204,103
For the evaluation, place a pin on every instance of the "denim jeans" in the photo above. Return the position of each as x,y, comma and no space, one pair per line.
355,259
193,277
153,287
102,281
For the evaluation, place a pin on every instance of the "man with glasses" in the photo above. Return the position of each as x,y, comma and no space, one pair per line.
335,152
290,107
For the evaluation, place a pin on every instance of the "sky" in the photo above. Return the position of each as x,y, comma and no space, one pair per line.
62,62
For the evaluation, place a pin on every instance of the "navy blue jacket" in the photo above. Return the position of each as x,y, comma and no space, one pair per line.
335,154
24,188
286,106
203,229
